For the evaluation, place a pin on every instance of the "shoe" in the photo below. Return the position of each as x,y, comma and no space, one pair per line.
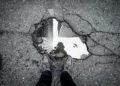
68,64
46,62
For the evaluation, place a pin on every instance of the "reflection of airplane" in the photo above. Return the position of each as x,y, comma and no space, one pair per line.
75,45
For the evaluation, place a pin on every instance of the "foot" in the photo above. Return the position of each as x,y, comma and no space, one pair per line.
46,63
69,63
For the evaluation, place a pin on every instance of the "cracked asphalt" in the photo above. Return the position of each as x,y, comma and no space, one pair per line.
95,21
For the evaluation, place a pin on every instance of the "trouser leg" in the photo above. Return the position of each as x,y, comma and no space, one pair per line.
66,79
45,79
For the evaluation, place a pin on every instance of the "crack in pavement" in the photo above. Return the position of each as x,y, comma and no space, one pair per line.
103,46
106,41
85,21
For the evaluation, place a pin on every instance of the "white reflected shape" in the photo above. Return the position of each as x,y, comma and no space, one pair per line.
73,45
51,12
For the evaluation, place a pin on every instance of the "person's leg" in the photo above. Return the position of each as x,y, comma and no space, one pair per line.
66,79
45,79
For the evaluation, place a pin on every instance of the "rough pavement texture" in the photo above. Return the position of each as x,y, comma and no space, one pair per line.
95,21
21,63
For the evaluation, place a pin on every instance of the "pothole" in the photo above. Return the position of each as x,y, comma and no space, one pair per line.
49,33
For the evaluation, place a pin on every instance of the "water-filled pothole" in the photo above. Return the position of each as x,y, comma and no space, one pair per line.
49,33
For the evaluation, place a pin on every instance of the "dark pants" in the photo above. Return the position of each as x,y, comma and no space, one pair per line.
46,79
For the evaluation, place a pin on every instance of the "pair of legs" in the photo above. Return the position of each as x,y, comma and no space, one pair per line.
46,79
